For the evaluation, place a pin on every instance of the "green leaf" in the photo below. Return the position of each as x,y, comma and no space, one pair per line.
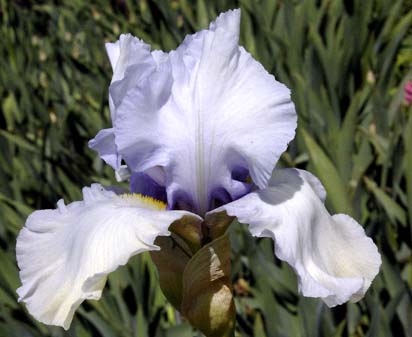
328,174
392,208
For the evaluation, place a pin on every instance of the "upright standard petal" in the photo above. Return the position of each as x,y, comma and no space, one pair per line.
131,62
208,111
332,256
64,255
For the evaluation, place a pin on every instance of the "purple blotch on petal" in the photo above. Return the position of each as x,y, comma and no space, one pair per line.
142,183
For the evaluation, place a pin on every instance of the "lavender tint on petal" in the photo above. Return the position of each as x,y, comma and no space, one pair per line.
180,200
219,197
240,173
207,113
105,146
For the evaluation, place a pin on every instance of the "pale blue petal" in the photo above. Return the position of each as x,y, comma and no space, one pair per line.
106,147
131,62
208,109
332,256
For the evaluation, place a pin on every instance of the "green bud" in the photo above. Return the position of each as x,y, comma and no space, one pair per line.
207,290
190,231
174,254
171,261
217,224
195,278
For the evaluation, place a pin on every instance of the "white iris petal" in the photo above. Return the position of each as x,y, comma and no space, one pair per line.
133,55
331,255
64,255
208,109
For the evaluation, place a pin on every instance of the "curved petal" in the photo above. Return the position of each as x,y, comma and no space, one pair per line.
64,255
105,146
217,110
331,255
126,52
133,55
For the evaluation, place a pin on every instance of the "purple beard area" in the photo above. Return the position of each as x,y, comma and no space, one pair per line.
142,183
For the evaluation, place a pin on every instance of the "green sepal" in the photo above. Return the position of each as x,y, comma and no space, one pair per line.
207,290
217,224
171,260
190,231
195,278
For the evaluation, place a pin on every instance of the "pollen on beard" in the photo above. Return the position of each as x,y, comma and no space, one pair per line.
144,201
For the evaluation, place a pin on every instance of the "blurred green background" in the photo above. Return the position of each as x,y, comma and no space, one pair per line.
346,63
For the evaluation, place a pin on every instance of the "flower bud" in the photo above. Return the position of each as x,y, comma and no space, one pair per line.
174,254
217,223
207,290
196,279
171,260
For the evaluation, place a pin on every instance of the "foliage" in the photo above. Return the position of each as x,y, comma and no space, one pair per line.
346,63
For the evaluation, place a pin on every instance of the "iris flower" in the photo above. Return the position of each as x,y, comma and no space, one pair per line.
198,131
